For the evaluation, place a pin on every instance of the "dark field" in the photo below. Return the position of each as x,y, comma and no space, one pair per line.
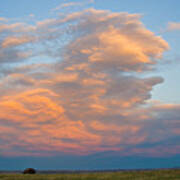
124,175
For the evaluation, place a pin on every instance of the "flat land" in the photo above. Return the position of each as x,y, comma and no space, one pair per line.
123,175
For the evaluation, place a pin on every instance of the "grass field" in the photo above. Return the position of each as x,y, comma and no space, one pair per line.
125,175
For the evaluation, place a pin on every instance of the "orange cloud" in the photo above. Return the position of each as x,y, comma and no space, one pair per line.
83,100
15,41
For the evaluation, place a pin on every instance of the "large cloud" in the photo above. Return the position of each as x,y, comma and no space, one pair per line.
91,97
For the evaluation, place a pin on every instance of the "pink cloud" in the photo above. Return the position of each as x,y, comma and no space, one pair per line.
173,26
84,101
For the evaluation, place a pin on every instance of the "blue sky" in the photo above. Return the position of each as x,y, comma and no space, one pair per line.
98,79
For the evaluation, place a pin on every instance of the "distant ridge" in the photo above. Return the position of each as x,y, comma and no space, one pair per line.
84,171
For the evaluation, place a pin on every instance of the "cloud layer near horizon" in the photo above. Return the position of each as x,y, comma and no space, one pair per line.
74,84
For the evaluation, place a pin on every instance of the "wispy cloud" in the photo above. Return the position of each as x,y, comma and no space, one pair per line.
173,26
73,4
3,19
65,5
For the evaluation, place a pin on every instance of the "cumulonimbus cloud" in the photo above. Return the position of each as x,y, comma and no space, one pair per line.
90,97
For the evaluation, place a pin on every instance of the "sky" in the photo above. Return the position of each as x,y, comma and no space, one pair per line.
89,84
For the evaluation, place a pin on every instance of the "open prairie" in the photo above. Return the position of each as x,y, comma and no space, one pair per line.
124,175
